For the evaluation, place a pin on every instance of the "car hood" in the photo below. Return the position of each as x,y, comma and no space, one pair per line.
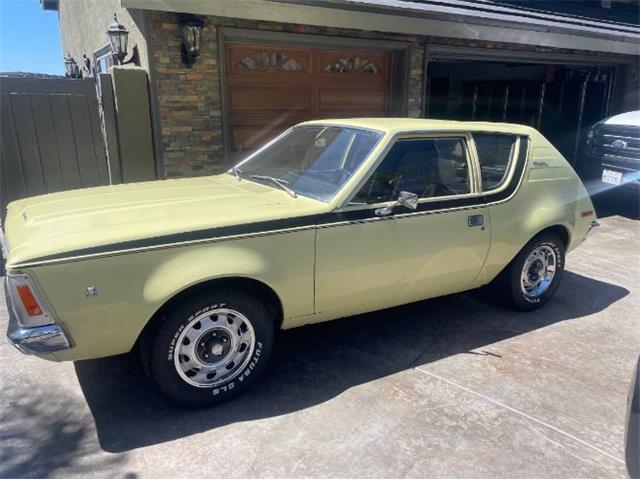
627,118
76,220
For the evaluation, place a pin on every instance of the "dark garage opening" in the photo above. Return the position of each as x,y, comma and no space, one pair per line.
560,101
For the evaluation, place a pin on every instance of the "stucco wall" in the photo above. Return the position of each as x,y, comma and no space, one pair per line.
84,23
189,102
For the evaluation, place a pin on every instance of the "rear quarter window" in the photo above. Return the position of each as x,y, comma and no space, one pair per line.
495,154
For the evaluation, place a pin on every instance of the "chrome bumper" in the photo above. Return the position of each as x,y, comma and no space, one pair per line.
4,249
49,338
34,340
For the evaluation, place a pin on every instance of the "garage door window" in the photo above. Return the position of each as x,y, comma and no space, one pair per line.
495,152
428,167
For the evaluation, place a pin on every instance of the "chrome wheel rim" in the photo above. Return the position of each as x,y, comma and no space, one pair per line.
214,347
538,271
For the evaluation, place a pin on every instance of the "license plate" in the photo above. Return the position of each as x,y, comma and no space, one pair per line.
611,176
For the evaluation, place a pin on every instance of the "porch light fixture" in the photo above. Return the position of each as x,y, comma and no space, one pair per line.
118,39
191,26
71,69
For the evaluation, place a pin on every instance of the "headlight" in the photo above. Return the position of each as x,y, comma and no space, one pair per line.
590,134
26,301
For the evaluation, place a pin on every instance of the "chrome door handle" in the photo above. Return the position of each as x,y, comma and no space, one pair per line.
475,220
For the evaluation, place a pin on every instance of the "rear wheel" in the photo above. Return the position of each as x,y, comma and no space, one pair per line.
210,347
533,276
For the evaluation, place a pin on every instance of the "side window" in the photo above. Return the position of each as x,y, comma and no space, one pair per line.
495,151
428,167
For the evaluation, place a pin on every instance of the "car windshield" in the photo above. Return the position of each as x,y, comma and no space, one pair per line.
311,160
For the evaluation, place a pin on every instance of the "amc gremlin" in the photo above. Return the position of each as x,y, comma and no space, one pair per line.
330,219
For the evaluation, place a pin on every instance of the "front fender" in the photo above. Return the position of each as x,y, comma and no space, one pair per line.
132,287
192,267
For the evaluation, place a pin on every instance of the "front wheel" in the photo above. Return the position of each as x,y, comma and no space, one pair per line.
533,276
210,347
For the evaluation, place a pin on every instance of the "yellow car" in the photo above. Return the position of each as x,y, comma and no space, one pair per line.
332,218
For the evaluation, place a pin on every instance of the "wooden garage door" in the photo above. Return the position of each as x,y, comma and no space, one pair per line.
270,88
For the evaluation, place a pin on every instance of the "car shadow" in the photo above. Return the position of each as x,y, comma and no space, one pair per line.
43,436
315,363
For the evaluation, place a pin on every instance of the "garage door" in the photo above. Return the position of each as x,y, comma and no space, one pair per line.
270,88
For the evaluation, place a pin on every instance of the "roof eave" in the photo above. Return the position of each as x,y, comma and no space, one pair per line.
407,21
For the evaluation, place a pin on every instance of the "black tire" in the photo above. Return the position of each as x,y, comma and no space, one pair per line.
507,287
158,347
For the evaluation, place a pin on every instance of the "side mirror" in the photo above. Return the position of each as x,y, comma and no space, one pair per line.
406,199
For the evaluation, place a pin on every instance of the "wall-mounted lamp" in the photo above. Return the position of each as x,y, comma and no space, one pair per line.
118,39
191,26
71,69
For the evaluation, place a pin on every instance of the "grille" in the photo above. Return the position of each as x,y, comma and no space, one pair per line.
617,144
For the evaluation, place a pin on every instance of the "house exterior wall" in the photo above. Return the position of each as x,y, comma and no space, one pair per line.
187,102
189,99
83,27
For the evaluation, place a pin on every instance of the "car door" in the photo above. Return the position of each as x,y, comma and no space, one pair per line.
366,260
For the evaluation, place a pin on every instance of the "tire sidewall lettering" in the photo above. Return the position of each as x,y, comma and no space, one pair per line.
165,346
243,375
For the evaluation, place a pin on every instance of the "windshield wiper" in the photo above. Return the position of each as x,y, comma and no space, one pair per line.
278,181
237,172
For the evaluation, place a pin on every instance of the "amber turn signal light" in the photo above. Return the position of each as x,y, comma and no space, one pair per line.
28,300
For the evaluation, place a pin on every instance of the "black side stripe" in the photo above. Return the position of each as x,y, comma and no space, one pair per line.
310,221
196,235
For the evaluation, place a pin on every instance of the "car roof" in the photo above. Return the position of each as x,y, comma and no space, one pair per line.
399,125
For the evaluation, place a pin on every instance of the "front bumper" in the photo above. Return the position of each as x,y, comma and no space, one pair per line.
4,249
630,176
592,168
35,340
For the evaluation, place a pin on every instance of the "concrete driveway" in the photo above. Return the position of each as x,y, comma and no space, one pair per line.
452,387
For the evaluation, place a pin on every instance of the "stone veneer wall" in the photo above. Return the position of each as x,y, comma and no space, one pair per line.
189,99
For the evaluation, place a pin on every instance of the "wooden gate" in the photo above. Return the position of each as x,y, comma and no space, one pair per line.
50,137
